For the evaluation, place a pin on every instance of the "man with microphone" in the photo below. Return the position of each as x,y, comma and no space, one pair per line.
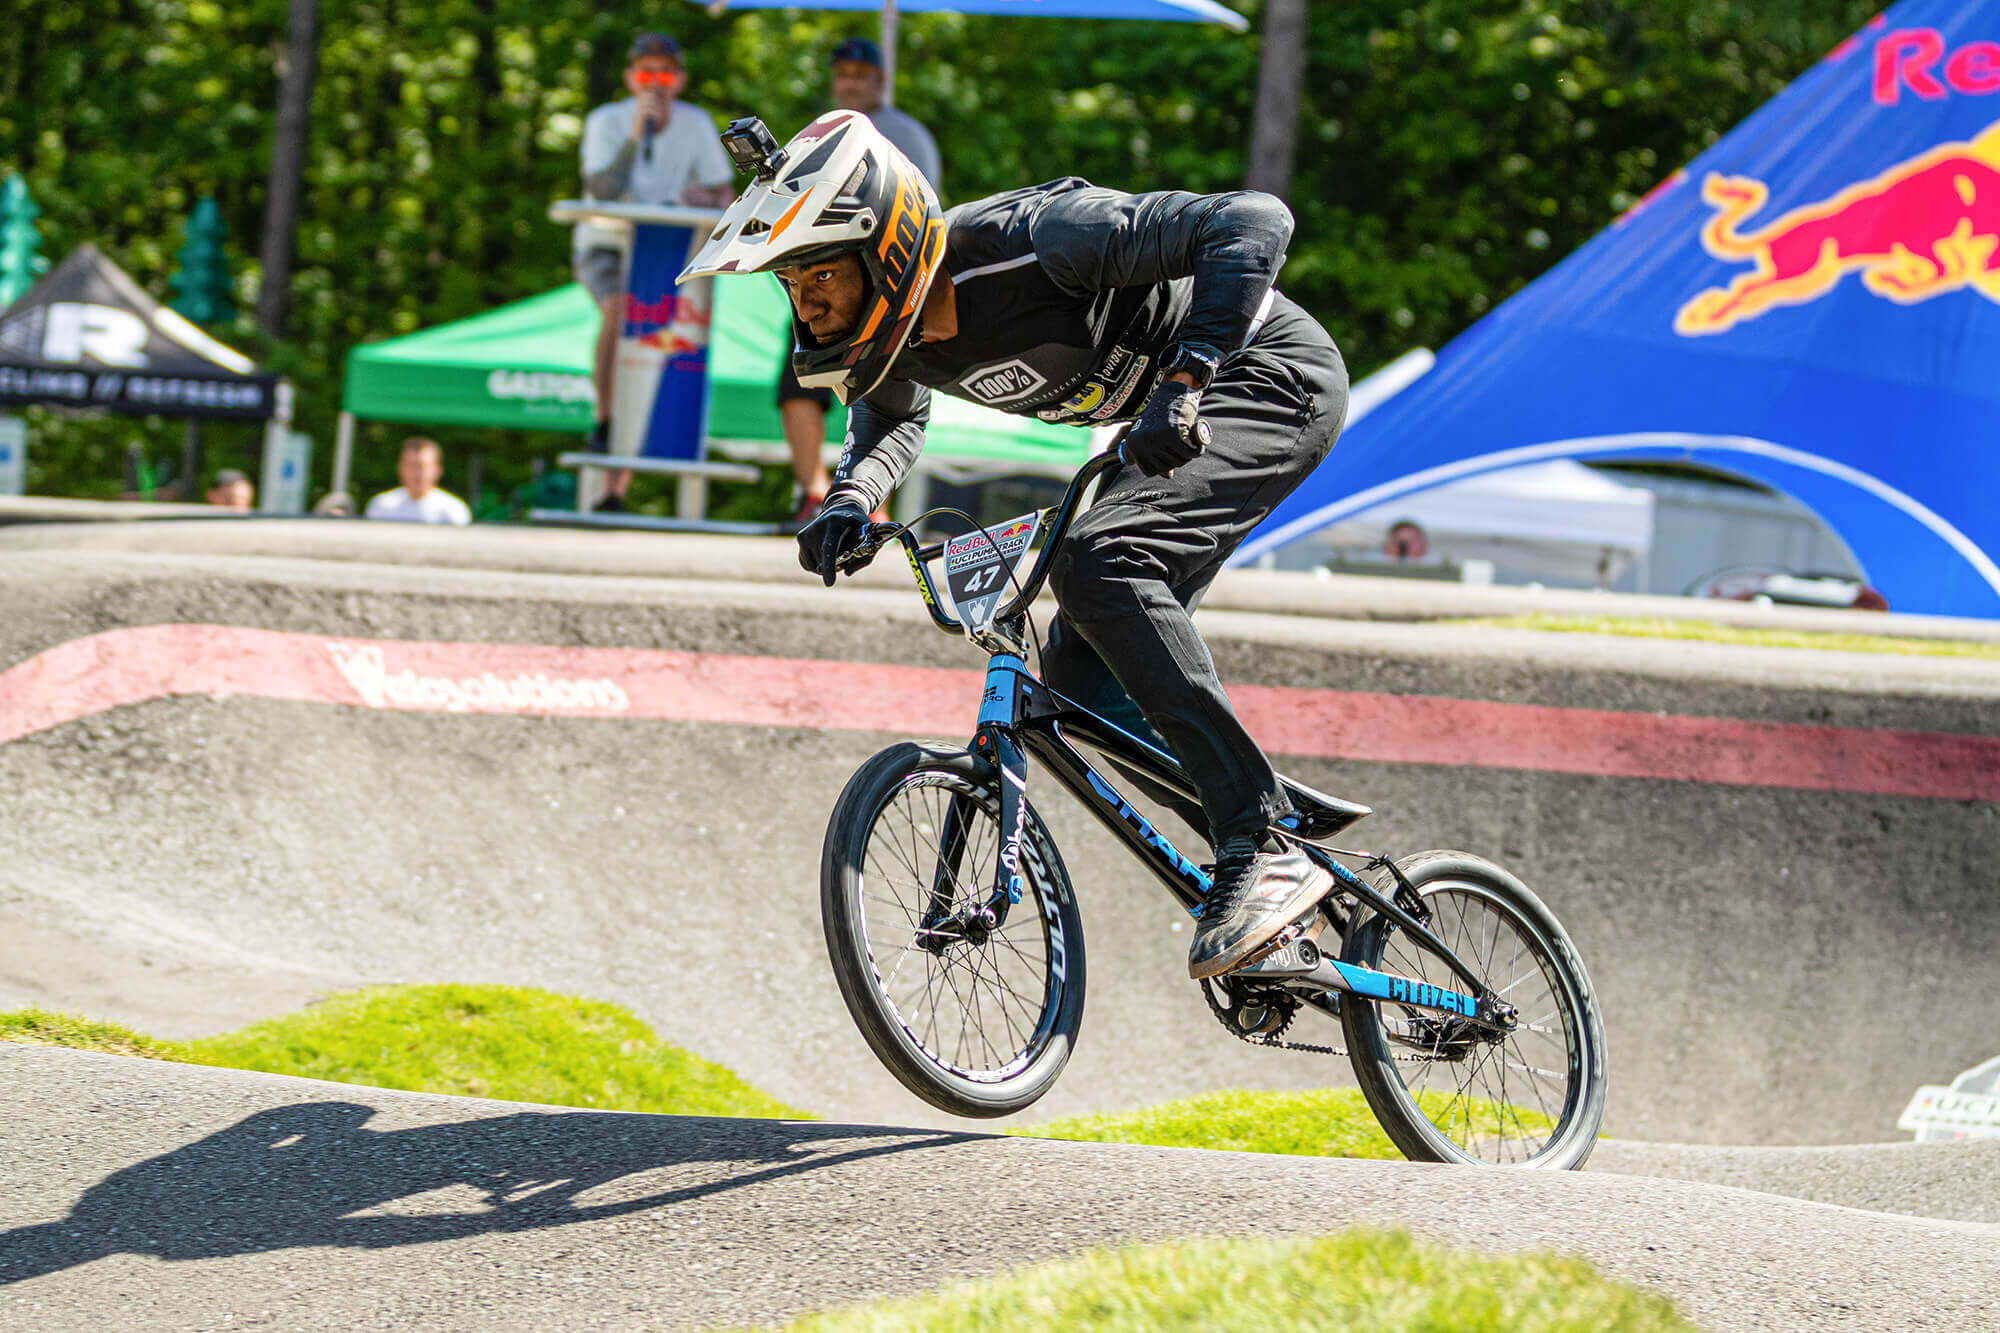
651,148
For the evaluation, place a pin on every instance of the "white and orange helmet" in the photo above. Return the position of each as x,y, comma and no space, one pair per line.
839,187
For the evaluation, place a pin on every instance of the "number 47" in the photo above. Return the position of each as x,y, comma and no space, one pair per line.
983,580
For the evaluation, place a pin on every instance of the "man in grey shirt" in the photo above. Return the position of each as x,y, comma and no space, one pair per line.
858,85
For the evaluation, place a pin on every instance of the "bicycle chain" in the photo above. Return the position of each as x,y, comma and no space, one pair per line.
1271,1039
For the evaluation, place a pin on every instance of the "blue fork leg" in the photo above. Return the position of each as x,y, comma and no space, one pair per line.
996,714
1013,816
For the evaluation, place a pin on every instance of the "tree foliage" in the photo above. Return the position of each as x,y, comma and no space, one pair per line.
201,283
1449,150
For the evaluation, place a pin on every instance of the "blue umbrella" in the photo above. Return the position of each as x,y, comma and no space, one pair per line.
1172,11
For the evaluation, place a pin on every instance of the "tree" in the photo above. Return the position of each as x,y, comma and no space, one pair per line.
21,260
1274,126
288,160
1447,151
202,281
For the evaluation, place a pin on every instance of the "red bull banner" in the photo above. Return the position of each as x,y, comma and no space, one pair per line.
1812,304
660,398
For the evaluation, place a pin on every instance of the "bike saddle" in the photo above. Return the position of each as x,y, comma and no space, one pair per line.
1320,816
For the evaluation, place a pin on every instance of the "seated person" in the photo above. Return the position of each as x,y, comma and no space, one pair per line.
232,490
419,499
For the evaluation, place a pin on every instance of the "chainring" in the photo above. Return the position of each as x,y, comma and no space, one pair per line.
1258,1016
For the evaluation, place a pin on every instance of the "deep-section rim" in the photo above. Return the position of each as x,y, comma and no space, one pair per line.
977,854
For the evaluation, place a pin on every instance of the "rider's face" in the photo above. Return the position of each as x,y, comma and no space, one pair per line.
827,296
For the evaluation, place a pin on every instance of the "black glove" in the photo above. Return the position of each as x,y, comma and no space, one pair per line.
1169,432
834,531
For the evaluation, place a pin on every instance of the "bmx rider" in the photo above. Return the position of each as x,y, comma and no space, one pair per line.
1078,305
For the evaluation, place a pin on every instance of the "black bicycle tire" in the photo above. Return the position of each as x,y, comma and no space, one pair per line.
1372,1055
853,820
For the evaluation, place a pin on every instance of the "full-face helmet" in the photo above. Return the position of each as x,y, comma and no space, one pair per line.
839,187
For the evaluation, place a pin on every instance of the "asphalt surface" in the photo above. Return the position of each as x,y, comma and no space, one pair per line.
1777,965
136,1194
279,849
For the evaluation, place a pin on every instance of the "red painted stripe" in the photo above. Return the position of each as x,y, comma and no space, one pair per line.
128,666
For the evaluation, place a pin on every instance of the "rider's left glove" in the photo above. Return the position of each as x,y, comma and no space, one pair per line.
1169,432
834,531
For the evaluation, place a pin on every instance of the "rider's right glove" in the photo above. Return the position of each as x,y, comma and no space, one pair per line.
834,531
1169,432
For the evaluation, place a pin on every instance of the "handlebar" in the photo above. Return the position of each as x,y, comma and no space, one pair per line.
878,535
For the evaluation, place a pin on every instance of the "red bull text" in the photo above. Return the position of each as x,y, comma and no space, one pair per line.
1921,229
1919,61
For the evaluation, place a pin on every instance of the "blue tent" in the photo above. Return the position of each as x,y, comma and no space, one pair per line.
1814,304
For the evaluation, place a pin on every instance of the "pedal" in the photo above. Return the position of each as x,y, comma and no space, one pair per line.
1306,929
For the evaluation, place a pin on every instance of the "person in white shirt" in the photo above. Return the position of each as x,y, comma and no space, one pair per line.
419,499
650,148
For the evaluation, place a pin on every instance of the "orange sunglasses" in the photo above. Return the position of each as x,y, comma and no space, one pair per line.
658,78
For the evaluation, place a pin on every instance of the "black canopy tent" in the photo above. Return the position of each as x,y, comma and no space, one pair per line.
87,337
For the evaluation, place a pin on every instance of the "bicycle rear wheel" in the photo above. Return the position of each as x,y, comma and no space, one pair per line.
976,1020
1443,1091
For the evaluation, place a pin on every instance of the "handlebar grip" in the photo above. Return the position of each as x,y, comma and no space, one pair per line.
873,538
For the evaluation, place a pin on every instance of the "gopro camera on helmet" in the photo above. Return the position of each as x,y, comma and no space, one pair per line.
753,148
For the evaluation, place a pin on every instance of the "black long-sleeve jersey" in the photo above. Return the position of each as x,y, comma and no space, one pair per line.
1068,297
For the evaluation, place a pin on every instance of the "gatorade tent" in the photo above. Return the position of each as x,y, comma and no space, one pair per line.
526,366
1814,304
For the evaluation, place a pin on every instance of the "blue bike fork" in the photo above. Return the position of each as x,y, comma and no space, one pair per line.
996,717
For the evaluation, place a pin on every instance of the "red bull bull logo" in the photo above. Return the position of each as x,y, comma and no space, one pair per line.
675,325
1919,230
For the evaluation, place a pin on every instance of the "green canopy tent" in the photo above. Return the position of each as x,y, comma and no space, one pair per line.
526,366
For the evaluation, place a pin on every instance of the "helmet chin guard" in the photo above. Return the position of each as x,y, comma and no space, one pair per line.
840,187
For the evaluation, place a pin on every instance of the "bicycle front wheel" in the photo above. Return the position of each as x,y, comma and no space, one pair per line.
976,1019
1443,1089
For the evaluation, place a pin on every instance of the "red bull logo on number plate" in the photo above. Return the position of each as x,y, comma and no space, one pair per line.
1921,229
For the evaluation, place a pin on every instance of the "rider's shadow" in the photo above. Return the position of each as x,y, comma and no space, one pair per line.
314,1174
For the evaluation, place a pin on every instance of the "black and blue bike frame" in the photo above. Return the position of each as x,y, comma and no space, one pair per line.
1020,717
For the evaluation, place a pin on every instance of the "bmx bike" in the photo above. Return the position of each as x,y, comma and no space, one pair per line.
954,931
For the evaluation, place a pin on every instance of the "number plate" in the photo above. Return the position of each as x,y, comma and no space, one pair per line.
979,568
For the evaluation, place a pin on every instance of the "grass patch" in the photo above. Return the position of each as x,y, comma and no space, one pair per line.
1332,1122
1708,632
39,1027
505,1042
1384,1282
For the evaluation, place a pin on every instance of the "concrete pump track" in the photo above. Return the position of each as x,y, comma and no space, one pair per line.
245,764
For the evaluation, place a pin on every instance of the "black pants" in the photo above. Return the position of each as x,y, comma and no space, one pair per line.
1137,563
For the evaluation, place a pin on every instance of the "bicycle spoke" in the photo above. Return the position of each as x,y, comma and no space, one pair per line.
975,1008
1499,1098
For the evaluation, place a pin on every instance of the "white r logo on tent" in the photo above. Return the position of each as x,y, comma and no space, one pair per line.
104,333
